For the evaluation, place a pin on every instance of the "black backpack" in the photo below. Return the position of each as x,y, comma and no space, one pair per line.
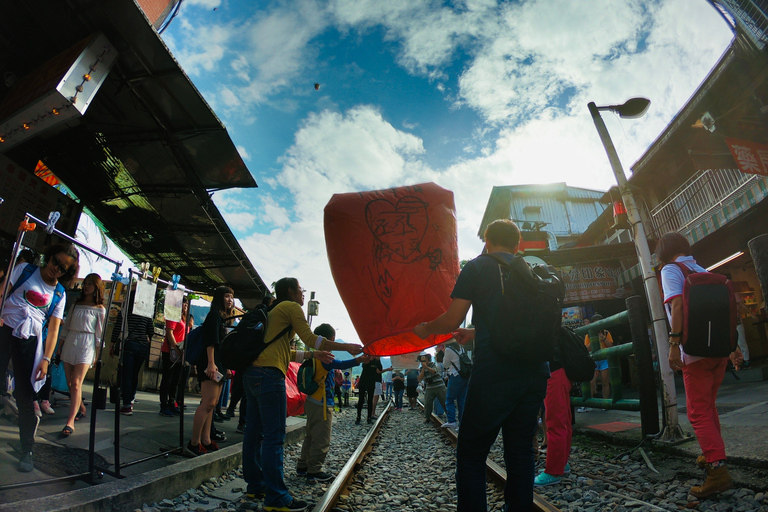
709,314
574,356
245,343
527,323
465,363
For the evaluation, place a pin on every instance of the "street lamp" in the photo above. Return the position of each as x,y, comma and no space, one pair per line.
631,109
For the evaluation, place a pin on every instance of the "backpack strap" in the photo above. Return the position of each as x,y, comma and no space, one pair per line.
29,269
58,294
684,269
282,333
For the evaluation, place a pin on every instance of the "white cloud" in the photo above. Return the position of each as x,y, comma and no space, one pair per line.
273,213
357,150
243,152
210,4
202,46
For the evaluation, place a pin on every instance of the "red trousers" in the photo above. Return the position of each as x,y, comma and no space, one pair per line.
702,379
558,417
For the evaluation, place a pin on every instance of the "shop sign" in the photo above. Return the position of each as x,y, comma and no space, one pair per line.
591,281
752,157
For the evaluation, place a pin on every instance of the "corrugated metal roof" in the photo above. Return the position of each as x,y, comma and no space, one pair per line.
148,152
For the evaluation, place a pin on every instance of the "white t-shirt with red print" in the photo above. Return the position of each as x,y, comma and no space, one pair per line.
26,308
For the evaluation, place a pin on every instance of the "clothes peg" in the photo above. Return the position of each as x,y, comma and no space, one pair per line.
193,296
156,273
145,270
175,281
25,225
53,218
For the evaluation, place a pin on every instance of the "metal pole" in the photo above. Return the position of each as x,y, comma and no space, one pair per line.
758,249
672,431
649,406
23,228
97,385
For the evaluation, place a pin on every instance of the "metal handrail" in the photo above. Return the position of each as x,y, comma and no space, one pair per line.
702,193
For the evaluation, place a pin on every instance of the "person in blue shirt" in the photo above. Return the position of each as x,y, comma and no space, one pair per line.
319,411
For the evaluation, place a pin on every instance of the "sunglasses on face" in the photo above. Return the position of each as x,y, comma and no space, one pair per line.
58,265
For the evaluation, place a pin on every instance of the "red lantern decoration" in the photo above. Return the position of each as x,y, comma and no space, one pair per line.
394,258
620,218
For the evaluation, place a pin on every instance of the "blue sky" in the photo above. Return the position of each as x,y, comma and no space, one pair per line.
468,94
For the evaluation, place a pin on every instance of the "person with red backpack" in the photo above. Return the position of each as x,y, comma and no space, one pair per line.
701,342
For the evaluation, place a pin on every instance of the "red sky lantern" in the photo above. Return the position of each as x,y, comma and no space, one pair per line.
394,257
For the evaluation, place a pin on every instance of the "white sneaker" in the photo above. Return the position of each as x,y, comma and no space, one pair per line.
449,424
583,409
45,406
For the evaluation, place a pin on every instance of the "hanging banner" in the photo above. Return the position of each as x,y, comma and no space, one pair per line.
587,282
144,302
394,257
172,308
752,157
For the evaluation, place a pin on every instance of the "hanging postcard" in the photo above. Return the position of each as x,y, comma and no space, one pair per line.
173,300
144,303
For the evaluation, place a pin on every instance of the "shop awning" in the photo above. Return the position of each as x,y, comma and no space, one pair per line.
148,154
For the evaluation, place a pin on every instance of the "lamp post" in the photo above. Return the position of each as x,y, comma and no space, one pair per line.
634,108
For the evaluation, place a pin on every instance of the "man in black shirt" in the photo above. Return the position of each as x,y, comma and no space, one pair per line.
370,375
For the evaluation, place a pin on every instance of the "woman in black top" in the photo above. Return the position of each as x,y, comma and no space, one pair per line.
210,371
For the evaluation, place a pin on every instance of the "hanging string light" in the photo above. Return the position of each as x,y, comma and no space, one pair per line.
64,107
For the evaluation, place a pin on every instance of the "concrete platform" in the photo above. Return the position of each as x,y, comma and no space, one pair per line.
142,435
743,407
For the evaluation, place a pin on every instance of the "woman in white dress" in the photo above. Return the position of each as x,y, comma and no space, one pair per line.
85,326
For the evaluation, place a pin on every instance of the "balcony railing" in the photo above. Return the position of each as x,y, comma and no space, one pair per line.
704,192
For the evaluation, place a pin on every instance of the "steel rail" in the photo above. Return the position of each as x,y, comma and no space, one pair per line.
331,497
493,470
342,480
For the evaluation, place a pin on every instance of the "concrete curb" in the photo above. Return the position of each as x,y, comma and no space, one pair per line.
128,494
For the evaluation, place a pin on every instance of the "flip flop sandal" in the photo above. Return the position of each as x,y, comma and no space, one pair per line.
67,431
80,415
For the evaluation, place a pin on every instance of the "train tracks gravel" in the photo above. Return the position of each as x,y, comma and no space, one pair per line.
411,467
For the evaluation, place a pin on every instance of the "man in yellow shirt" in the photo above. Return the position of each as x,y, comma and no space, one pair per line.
264,384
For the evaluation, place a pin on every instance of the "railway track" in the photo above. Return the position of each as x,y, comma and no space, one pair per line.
400,464
340,486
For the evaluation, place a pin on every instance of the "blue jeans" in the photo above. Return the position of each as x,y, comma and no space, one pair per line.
502,395
265,434
457,392
399,398
134,355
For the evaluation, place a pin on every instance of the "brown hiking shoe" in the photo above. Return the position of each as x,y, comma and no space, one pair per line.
718,480
701,461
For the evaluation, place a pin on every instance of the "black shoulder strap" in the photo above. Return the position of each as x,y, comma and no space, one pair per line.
499,259
282,333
